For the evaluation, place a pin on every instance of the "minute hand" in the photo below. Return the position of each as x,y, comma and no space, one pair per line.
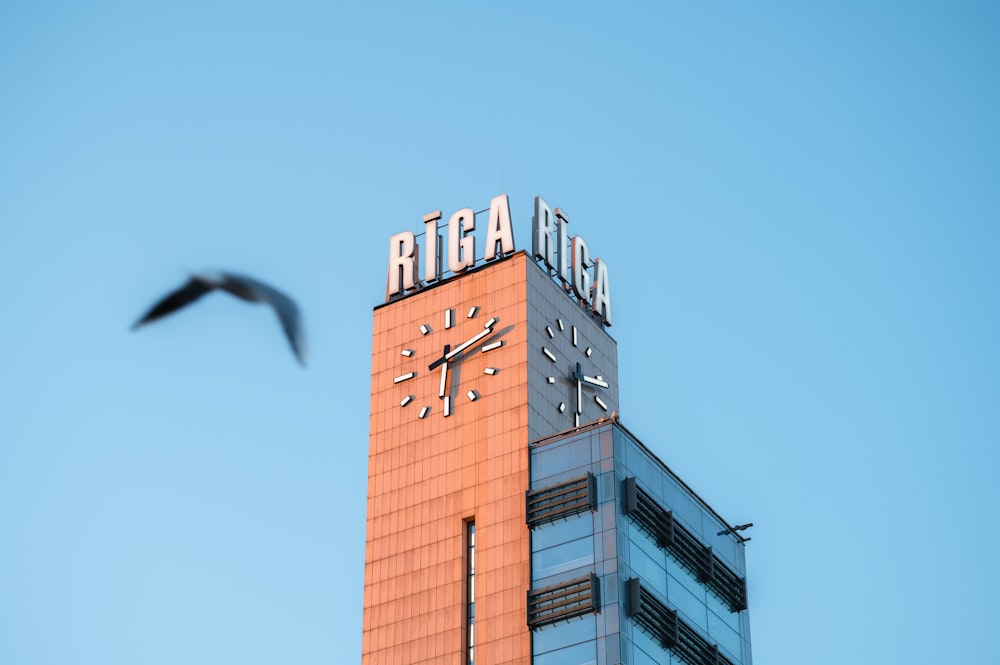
464,345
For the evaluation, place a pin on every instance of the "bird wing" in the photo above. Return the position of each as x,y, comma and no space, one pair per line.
175,300
288,312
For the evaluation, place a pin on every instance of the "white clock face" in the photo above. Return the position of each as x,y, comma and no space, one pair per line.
589,389
430,380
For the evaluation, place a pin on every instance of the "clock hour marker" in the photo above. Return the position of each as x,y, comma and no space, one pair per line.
472,395
574,335
489,324
600,403
472,312
548,354
548,329
560,324
562,407
490,370
406,400
423,412
404,377
494,345
424,329
551,379
589,351
447,406
406,352
449,314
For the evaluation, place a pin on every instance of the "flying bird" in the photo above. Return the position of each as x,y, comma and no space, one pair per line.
244,288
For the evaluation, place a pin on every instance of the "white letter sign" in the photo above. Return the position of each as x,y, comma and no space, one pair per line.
461,245
581,261
432,243
543,225
499,229
601,301
564,258
402,267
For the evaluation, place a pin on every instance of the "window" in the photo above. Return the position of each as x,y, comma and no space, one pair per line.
470,591
562,558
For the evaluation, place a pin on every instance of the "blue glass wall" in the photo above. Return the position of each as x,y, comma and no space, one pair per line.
608,543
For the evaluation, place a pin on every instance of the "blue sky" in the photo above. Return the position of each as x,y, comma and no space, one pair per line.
798,203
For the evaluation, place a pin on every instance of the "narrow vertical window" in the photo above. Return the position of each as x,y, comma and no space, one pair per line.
470,592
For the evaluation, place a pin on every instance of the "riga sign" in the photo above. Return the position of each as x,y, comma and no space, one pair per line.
565,258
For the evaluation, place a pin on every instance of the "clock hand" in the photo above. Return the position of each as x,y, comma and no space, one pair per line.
578,375
592,380
448,355
444,373
463,346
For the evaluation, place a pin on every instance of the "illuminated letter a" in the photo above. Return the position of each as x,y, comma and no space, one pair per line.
499,229
602,292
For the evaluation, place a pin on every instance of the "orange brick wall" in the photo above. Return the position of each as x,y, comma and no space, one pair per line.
427,477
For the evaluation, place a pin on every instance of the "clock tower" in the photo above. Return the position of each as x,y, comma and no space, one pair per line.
511,518
464,374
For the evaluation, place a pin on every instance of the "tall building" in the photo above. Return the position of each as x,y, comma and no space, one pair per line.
511,517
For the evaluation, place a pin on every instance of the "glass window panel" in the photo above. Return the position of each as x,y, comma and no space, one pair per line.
650,647
648,569
640,657
606,487
564,633
558,559
727,638
649,475
553,459
684,507
730,618
685,577
584,653
689,605
724,546
471,591
561,531
642,539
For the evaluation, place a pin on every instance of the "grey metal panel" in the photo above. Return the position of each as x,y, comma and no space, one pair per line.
547,302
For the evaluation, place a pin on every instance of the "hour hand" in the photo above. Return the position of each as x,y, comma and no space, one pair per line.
437,363
444,374
443,360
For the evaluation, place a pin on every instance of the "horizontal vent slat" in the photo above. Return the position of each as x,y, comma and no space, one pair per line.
653,616
563,601
562,500
659,523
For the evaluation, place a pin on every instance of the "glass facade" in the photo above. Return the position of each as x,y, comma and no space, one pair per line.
682,571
